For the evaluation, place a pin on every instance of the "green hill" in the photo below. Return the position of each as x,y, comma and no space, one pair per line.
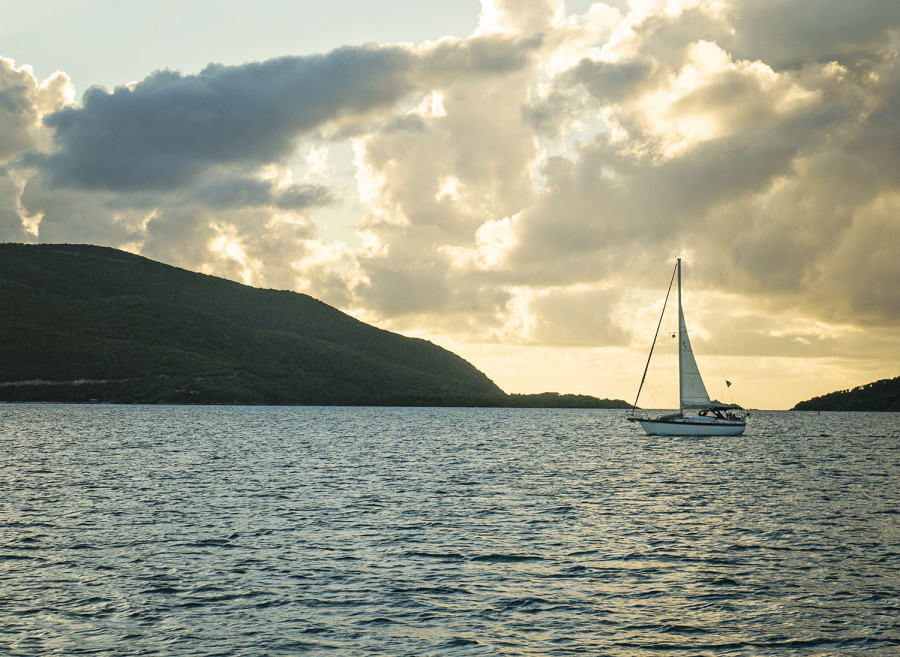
82,323
881,395
85,322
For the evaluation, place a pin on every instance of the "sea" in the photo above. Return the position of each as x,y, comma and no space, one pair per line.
234,530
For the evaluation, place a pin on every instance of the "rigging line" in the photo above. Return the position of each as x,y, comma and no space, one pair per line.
655,335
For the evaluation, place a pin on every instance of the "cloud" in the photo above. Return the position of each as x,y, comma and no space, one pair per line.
510,16
578,315
794,33
12,228
730,160
435,179
23,103
230,191
860,270
167,129
164,131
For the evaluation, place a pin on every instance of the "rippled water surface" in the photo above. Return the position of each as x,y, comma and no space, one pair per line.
128,530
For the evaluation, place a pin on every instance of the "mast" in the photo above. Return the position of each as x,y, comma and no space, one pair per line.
681,327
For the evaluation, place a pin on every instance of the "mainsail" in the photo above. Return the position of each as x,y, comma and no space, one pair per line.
692,391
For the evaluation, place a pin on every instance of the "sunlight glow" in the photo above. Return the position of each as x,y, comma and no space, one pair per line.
693,108
494,240
227,246
317,163
448,189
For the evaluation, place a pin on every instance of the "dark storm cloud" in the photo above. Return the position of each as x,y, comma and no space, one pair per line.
614,82
164,131
301,197
170,127
609,83
790,33
224,191
487,53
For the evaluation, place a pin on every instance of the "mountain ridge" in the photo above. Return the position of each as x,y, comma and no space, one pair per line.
882,395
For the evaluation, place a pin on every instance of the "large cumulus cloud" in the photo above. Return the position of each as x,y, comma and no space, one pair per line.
165,130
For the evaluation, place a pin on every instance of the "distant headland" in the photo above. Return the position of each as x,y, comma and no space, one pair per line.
883,395
85,323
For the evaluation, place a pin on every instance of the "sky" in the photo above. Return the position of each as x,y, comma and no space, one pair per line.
510,179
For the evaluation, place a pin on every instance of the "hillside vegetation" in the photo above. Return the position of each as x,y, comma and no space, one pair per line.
881,395
83,323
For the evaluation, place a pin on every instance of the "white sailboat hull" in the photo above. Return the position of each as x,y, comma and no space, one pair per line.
692,426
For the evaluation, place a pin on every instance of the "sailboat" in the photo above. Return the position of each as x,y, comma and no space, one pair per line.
697,414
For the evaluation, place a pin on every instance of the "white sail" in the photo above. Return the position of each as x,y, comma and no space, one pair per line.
692,391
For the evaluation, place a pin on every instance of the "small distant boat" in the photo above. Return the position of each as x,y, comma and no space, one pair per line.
697,415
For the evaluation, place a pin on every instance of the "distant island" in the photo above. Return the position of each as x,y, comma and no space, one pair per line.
881,395
84,323
557,400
